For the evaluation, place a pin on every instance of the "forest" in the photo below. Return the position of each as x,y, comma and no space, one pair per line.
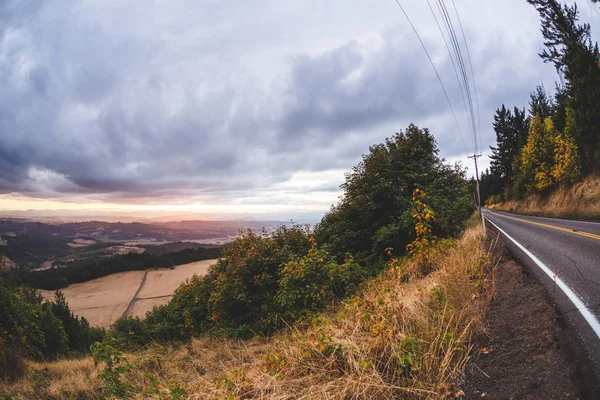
554,141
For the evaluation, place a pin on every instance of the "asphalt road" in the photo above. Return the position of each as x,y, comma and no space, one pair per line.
565,256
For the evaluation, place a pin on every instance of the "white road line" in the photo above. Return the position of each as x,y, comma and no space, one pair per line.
585,312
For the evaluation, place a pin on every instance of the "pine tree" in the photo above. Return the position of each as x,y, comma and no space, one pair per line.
570,48
559,115
540,104
511,129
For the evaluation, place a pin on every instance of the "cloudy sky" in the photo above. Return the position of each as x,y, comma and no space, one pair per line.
235,106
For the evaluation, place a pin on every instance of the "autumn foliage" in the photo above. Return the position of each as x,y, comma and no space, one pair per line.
554,143
420,249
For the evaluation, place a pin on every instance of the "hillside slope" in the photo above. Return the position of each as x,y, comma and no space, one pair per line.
581,201
407,335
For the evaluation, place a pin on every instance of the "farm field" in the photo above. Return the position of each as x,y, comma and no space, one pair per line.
101,301
160,285
104,300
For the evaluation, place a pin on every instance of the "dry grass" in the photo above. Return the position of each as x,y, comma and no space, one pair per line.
582,201
102,301
399,339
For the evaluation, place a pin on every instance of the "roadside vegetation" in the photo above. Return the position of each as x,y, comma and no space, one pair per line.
387,247
548,155
406,334
581,201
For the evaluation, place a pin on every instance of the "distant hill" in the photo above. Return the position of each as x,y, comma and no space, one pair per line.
29,244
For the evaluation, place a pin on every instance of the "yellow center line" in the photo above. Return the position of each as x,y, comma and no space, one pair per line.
558,228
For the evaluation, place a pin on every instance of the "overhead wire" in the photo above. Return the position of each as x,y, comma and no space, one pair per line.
460,85
470,66
461,64
436,72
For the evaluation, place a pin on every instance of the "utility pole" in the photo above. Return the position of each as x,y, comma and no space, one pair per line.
475,157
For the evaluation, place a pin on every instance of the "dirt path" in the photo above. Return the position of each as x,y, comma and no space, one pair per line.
526,354
134,298
157,286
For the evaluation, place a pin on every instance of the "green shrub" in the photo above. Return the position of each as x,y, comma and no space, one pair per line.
309,283
115,364
186,314
246,280
132,332
237,296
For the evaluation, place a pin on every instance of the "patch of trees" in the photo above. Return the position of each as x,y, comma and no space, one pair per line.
33,328
87,269
556,141
174,246
263,282
31,249
375,213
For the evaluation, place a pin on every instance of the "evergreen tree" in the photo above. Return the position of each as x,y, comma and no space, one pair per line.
511,129
490,187
570,48
559,114
540,104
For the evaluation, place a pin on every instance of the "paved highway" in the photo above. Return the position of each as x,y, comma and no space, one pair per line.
565,257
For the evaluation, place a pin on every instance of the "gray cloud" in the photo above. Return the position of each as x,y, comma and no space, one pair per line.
122,101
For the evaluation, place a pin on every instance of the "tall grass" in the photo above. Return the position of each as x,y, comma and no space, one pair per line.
408,335
581,201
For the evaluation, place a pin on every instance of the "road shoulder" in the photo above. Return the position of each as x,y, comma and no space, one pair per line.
526,353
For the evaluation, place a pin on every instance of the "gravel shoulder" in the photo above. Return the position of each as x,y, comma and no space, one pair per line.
527,353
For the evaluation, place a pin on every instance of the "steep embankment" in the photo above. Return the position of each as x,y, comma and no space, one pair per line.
581,201
407,335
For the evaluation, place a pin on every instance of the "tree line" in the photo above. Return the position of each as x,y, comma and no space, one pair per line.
83,270
555,141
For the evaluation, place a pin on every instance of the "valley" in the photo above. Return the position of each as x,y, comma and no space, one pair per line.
34,245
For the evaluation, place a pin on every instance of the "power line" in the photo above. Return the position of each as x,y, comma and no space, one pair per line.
475,127
465,80
461,63
436,72
460,86
470,66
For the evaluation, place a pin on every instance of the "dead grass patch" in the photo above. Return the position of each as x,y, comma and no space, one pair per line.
581,201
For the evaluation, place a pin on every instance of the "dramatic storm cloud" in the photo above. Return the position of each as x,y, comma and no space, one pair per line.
263,102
